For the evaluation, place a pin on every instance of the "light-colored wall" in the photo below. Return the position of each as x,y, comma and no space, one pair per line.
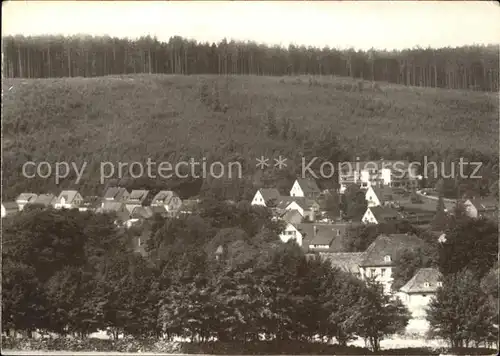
294,206
416,303
381,274
258,199
368,217
371,197
289,233
296,191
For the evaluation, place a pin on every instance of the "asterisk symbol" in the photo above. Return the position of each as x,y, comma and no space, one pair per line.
262,162
280,162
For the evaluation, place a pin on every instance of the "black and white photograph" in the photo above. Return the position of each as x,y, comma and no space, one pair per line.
250,178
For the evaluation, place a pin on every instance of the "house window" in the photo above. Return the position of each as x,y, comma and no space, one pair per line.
439,284
373,271
387,258
426,285
138,241
338,232
382,272
424,295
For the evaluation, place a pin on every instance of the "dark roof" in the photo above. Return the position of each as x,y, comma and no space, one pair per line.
115,193
270,194
68,195
138,195
386,194
382,212
10,205
347,261
389,245
323,234
417,284
189,205
308,185
45,199
158,209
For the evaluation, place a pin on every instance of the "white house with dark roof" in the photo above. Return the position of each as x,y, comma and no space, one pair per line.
266,197
305,187
322,237
418,291
25,198
378,261
380,214
68,199
308,208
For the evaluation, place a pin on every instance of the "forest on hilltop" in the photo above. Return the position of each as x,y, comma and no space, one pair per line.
469,67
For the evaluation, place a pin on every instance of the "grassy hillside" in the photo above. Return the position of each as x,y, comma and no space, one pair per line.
168,118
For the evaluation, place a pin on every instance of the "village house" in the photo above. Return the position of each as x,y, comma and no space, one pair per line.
306,188
25,198
90,203
9,208
116,194
345,261
380,214
267,197
378,261
418,291
291,233
322,237
308,208
382,196
136,198
481,208
46,200
168,200
382,172
68,199
138,215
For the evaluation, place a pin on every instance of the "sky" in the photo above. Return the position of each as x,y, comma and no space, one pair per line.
358,24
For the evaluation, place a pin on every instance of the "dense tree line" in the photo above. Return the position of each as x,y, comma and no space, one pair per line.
470,67
73,273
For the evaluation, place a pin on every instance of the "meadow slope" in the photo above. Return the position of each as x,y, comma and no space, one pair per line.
168,118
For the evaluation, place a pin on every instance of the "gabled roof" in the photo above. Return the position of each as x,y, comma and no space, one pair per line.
10,205
115,193
308,185
347,261
323,234
139,195
385,194
389,245
292,215
27,197
376,164
303,202
382,212
68,195
270,194
163,197
417,284
45,199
